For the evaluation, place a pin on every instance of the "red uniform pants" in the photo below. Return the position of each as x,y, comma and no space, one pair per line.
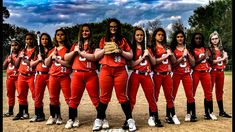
187,83
113,76
217,80
80,81
11,84
24,84
147,84
166,82
42,80
205,79
57,83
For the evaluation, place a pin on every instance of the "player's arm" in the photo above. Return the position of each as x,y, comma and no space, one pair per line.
191,59
99,53
69,56
6,62
48,60
88,56
126,54
18,59
63,62
35,62
140,59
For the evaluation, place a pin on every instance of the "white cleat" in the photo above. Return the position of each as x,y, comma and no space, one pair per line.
175,120
105,124
97,125
151,121
187,118
131,124
69,124
76,123
33,119
59,121
51,120
213,117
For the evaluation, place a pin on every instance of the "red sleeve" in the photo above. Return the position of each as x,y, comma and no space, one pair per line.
49,53
73,47
102,40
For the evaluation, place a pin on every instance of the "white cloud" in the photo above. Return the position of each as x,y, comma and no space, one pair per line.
174,18
169,27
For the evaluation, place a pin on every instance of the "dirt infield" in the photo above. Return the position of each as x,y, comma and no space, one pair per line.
115,116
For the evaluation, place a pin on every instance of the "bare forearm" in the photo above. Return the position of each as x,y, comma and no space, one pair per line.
69,56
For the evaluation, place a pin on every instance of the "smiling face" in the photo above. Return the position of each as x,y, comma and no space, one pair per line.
113,27
139,36
86,32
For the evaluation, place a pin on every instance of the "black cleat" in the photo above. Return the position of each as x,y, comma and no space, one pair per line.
169,120
18,117
224,114
8,114
125,126
207,117
158,123
193,118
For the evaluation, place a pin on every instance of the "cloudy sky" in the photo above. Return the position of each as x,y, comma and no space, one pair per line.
48,15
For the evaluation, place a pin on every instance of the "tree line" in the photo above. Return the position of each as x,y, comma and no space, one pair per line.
217,15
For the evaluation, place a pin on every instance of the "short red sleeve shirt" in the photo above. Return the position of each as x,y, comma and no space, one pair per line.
56,68
165,65
204,65
81,63
183,66
143,66
115,60
219,65
24,67
11,69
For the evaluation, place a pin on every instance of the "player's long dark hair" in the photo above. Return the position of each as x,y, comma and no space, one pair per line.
81,40
193,43
49,45
153,45
118,36
66,41
174,42
134,44
33,45
211,46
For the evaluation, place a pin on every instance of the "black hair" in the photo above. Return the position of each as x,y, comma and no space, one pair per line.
174,40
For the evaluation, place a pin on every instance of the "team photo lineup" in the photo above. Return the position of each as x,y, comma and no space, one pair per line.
118,64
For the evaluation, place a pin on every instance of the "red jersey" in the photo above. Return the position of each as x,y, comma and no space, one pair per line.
165,65
183,66
219,65
145,65
24,67
204,65
56,68
114,60
81,63
12,71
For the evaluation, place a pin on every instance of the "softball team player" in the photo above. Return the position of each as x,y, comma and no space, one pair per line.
84,73
114,74
141,75
162,72
42,76
220,59
182,71
26,76
59,75
12,76
201,72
